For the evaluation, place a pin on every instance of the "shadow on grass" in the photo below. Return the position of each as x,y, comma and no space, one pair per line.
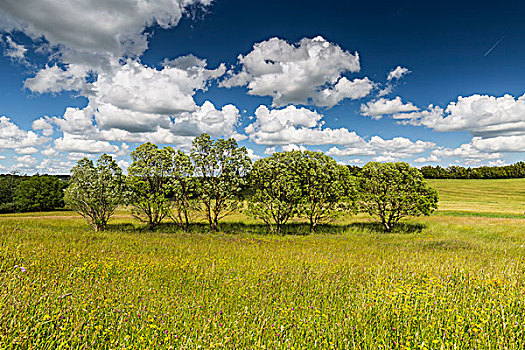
295,229
448,245
376,227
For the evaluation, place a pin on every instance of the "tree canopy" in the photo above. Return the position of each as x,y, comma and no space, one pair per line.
40,193
327,188
391,191
222,168
276,186
148,183
95,191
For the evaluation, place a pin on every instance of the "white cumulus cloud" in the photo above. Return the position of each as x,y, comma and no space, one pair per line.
376,109
310,71
13,50
93,26
54,79
497,123
292,125
11,136
72,143
466,152
398,73
398,147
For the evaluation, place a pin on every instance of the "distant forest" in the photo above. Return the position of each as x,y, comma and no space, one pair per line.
513,171
20,193
484,172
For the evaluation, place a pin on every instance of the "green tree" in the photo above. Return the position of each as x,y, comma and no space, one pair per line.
391,191
8,185
276,186
327,187
95,192
148,183
183,189
39,193
221,167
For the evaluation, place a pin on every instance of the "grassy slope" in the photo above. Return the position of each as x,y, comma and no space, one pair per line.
505,197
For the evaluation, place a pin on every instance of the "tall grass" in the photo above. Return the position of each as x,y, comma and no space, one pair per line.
442,282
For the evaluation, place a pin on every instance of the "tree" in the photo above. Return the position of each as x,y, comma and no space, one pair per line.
8,186
221,167
39,193
148,183
95,192
183,189
327,187
276,186
391,191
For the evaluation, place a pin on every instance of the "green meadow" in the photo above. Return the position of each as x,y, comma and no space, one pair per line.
453,280
481,197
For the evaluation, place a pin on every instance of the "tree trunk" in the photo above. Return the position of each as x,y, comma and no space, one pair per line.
312,225
151,224
186,218
387,226
214,224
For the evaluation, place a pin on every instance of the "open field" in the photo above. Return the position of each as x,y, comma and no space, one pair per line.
439,282
504,197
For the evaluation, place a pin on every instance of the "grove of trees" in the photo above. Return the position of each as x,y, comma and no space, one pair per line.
218,178
303,183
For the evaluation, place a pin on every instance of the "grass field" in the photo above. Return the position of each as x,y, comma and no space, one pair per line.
481,197
448,281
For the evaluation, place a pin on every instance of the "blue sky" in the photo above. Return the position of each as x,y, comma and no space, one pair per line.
411,81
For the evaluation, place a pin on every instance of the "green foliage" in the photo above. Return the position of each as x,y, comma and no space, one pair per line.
221,167
327,188
182,189
95,192
148,183
30,193
484,172
391,191
276,186
40,193
8,185
308,184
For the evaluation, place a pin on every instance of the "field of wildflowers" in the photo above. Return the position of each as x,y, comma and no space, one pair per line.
442,282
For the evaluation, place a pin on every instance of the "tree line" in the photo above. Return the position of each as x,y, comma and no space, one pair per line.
513,171
31,193
217,178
